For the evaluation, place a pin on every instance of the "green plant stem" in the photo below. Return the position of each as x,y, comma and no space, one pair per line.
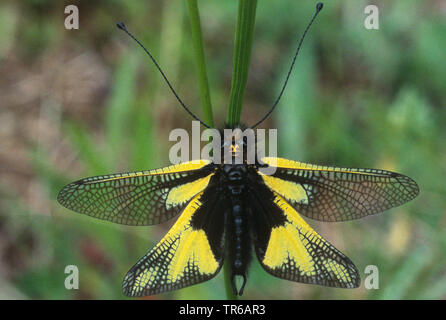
197,40
194,17
228,285
242,55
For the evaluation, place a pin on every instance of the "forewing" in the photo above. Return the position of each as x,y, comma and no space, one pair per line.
137,198
190,253
338,194
288,248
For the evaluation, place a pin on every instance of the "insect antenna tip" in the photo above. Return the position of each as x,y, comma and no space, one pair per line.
121,25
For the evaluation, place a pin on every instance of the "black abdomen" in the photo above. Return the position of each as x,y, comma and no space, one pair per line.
238,235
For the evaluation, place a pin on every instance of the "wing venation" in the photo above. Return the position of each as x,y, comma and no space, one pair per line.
339,194
137,198
290,249
187,255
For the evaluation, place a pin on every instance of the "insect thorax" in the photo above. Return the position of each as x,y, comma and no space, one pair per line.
238,146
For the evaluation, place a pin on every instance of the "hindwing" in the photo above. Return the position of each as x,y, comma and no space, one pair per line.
191,252
288,248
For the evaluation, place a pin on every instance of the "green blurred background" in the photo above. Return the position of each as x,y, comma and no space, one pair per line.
76,103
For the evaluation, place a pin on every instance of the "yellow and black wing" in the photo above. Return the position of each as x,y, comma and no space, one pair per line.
338,194
138,198
288,248
191,252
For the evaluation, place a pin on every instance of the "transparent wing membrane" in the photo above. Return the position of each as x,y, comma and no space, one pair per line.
137,198
338,194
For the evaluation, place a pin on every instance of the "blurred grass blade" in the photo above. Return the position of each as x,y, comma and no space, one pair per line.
142,142
407,274
200,61
51,179
119,106
242,55
90,153
297,102
436,290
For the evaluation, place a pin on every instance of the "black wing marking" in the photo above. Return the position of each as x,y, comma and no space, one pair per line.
288,248
191,252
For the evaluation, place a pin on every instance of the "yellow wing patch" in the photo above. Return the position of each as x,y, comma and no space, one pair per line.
183,193
181,167
290,164
285,237
296,252
176,168
182,256
289,190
